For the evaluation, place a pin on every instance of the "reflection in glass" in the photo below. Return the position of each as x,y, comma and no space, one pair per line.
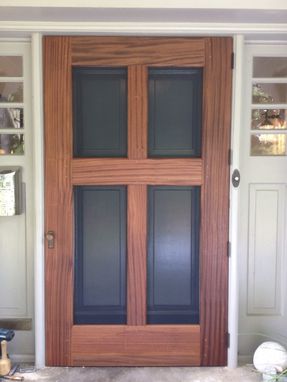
268,119
270,67
11,92
269,93
11,144
11,66
268,144
11,118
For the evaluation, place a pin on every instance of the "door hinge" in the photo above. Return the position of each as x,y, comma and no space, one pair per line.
228,249
232,60
230,157
228,340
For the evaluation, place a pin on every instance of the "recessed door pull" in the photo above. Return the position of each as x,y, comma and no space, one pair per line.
50,237
235,178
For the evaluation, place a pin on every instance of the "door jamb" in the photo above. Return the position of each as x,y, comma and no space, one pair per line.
39,257
234,216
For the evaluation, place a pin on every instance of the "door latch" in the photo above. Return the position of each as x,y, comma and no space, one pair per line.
235,178
50,237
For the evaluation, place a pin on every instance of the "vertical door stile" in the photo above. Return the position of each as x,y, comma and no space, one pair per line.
214,203
137,197
58,203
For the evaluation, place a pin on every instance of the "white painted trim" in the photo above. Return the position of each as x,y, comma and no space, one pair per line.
234,203
137,28
271,43
22,358
161,4
267,49
14,39
245,360
273,80
39,200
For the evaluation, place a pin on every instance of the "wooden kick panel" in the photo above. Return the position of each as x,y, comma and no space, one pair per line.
136,345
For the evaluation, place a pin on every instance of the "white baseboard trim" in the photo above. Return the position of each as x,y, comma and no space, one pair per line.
245,359
22,358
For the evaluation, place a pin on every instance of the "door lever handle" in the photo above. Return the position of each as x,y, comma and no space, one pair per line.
50,237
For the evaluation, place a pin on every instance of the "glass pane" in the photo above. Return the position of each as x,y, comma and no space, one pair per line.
270,67
11,66
173,255
269,93
100,262
175,103
11,144
269,119
11,118
11,92
100,112
268,144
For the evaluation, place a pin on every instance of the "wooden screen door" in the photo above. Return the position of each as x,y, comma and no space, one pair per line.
137,136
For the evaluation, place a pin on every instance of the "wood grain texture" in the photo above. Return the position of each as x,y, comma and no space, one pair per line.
58,199
157,345
137,112
137,252
215,197
122,51
146,171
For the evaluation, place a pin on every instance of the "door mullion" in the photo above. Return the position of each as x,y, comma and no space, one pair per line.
136,276
137,112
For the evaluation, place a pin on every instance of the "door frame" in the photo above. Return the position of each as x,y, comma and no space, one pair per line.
218,161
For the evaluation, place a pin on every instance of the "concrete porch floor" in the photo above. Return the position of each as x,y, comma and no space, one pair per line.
144,374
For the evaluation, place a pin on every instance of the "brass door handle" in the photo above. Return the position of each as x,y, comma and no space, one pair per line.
50,237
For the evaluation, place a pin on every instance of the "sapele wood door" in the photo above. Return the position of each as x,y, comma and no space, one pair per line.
139,209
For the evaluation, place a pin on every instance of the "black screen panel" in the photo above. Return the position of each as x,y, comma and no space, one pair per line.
100,112
173,255
175,108
100,259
